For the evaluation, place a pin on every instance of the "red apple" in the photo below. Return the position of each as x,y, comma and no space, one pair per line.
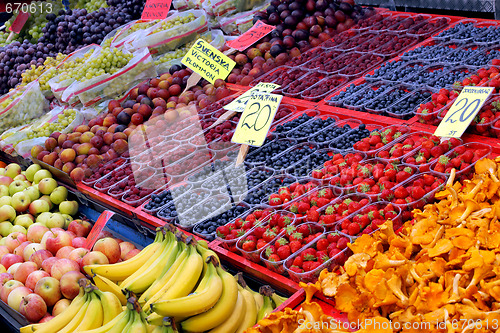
131,254
4,277
57,241
19,250
48,263
39,257
110,247
16,296
64,252
3,251
10,259
77,255
60,306
8,287
69,284
46,318
48,288
80,228
13,268
25,269
33,307
34,277
95,258
14,240
78,242
63,266
125,247
30,249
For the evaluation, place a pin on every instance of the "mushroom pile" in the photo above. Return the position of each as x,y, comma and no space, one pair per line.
442,270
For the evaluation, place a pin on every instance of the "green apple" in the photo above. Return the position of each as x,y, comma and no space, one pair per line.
2,171
12,170
33,192
30,172
18,228
20,201
4,190
46,185
7,213
5,228
17,186
38,206
5,201
68,207
67,220
43,218
59,195
41,174
55,220
2,241
24,220
46,198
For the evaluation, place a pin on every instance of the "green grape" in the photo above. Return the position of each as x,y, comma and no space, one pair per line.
91,5
28,107
181,51
34,72
63,120
169,24
65,71
3,38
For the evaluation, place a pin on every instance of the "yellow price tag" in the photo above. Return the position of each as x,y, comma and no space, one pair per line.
239,104
256,120
463,110
207,61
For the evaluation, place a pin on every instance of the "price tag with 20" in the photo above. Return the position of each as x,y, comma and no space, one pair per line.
256,119
463,110
239,104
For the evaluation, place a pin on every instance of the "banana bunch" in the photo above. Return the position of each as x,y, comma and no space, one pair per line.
91,310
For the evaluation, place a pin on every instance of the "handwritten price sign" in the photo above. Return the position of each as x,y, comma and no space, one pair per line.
463,110
156,9
239,104
259,30
256,120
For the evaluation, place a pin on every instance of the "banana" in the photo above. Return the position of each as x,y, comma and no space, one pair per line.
203,298
29,328
93,316
78,318
155,319
205,253
234,320
162,280
250,317
120,325
277,299
259,299
266,309
220,311
63,319
108,325
105,284
137,325
131,319
111,305
144,278
166,326
183,281
122,270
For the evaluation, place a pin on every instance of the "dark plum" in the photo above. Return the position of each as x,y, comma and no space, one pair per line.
300,35
276,49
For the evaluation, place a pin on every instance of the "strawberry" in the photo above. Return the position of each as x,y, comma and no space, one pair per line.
261,243
283,252
297,269
354,229
304,229
273,258
309,254
417,192
312,215
248,245
313,266
400,193
297,261
303,207
342,243
275,200
223,231
295,245
322,244
296,236
269,235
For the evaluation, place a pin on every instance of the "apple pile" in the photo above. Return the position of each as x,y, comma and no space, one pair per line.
32,196
39,272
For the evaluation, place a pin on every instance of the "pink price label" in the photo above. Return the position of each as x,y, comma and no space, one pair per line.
19,22
156,9
97,228
259,30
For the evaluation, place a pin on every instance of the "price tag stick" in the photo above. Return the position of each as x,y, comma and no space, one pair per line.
242,154
224,117
11,35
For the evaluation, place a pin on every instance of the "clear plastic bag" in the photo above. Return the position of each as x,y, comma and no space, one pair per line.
163,41
215,37
21,106
127,33
57,84
238,23
107,86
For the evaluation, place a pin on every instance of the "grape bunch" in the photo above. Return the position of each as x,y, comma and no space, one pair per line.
181,51
131,7
17,57
130,30
63,120
73,29
177,21
65,70
91,5
34,72
3,38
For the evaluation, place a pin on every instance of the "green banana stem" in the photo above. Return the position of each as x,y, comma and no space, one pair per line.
277,299
267,308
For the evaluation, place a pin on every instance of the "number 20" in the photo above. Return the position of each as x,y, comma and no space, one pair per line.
466,105
259,111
